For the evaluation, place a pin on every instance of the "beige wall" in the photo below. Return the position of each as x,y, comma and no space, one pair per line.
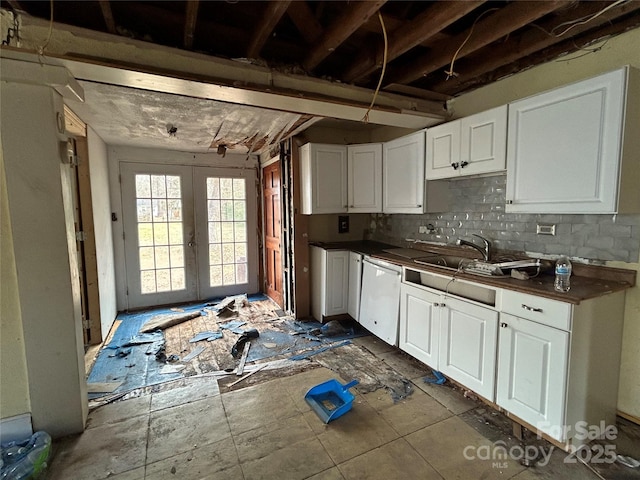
101,200
618,51
41,216
14,381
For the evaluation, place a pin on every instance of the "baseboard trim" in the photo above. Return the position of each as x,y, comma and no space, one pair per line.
14,428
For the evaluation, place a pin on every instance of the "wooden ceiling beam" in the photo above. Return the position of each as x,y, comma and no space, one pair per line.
191,16
357,14
107,14
530,41
304,20
436,17
571,47
491,28
272,15
16,6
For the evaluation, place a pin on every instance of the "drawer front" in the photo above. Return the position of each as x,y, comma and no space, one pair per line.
539,309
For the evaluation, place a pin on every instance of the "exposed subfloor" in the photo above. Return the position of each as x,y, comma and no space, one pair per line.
196,428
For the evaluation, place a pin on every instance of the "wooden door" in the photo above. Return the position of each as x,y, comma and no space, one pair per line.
273,232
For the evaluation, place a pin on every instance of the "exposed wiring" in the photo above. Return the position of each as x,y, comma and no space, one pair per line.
582,21
450,73
365,119
46,43
586,51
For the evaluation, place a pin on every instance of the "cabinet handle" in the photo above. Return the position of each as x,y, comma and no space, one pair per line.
509,202
455,165
531,309
436,304
463,164
504,325
443,304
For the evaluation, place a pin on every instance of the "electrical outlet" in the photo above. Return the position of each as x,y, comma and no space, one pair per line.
546,229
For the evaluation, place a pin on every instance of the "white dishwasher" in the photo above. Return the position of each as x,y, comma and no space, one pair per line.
380,299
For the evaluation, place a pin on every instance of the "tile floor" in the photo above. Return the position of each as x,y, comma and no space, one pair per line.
267,431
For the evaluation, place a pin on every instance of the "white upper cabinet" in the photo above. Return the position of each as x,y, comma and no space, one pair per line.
403,174
566,147
468,146
323,177
364,178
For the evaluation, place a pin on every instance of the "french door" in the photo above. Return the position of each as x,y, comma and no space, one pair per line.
190,233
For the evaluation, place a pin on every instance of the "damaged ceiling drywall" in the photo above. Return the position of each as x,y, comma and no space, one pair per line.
142,118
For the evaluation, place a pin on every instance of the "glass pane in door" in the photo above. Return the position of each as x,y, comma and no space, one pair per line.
160,233
227,231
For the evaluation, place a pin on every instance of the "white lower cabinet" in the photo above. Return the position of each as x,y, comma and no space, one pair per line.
456,337
468,342
532,372
329,282
420,323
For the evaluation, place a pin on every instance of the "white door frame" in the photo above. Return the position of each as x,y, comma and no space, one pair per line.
195,233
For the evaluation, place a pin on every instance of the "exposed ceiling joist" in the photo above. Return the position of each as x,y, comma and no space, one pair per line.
534,40
341,29
586,42
339,40
494,26
274,11
109,21
191,16
423,27
304,20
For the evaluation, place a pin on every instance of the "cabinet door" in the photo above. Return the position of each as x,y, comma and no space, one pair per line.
419,324
403,174
355,281
468,342
563,148
337,282
532,373
483,142
364,178
323,176
443,151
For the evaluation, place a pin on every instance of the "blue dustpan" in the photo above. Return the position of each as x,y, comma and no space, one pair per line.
331,399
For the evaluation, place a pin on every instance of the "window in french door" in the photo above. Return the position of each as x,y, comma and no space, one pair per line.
227,231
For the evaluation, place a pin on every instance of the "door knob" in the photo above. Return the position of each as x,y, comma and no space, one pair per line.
504,325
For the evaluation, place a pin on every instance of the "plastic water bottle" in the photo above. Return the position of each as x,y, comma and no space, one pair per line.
563,274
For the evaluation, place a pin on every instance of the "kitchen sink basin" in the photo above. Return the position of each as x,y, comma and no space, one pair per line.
479,293
447,262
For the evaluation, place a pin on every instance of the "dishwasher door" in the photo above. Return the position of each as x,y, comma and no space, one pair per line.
380,299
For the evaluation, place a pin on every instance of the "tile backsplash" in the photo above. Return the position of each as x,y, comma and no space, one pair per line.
477,205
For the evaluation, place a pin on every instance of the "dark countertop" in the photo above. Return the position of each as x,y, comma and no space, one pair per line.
587,281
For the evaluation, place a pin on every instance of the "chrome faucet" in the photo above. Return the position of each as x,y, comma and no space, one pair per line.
485,250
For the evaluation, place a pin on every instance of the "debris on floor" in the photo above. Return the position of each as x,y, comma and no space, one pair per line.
244,338
193,354
26,458
230,305
208,336
103,387
162,322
